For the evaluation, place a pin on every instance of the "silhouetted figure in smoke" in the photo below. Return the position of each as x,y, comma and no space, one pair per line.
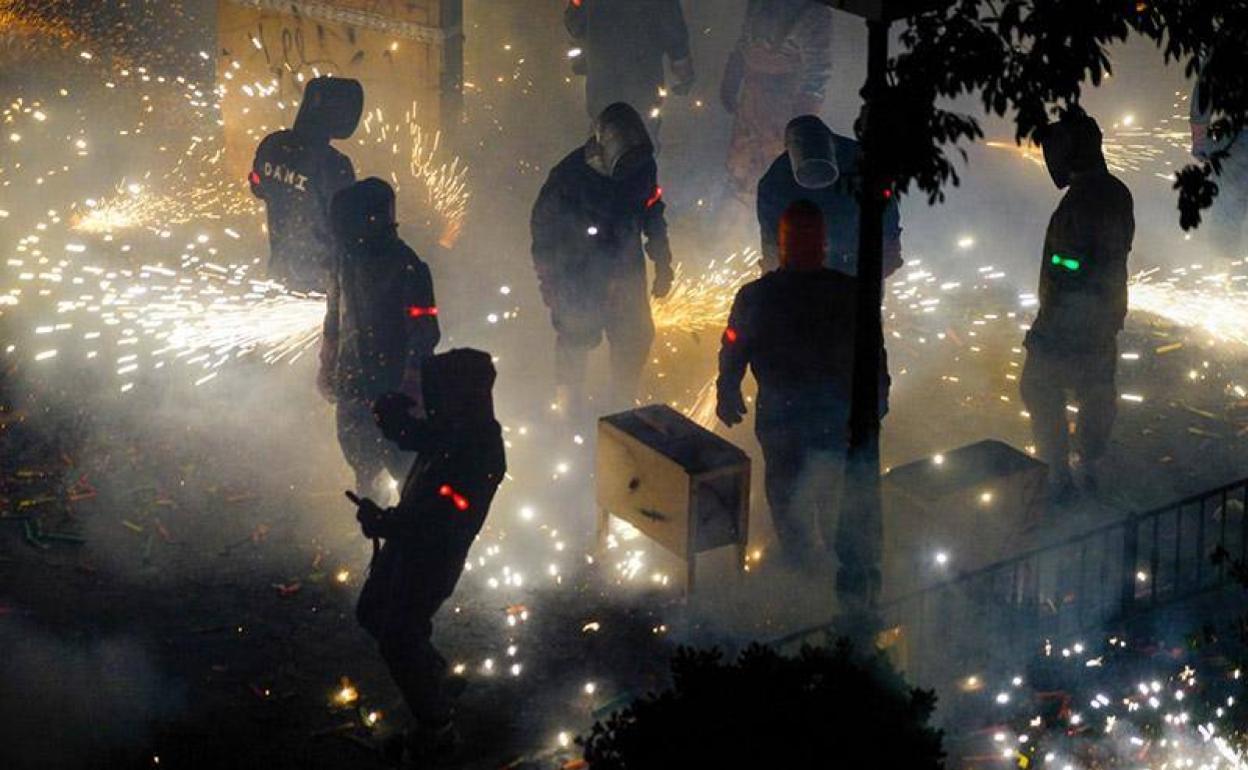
587,226
779,70
381,321
794,328
297,171
1072,348
460,463
1230,210
623,45
822,167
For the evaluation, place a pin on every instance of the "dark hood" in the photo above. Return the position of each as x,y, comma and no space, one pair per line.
364,213
331,108
620,144
1072,145
458,387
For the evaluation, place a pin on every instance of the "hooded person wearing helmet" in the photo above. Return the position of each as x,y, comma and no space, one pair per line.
1072,346
779,70
296,172
381,321
444,502
588,226
794,329
822,167
622,47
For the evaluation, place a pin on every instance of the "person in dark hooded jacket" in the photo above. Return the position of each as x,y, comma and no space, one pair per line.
794,329
381,321
587,225
822,167
623,45
1072,346
296,172
443,506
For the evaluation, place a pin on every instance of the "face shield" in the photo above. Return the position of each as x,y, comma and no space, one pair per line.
364,212
331,108
620,143
812,151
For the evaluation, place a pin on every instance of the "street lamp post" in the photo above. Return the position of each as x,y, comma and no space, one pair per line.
860,531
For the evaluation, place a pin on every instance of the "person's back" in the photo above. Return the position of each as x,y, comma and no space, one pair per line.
796,329
296,172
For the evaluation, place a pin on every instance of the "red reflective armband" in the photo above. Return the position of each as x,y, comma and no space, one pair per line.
415,311
577,3
655,197
254,178
459,501
730,335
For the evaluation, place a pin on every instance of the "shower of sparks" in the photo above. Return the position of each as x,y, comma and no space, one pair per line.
701,302
1214,304
445,182
1107,714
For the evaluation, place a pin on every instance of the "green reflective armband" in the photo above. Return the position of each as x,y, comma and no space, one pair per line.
1067,263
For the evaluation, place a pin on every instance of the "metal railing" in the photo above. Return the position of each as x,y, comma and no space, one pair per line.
1112,574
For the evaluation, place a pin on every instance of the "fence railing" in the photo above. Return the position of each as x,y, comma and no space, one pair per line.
1110,574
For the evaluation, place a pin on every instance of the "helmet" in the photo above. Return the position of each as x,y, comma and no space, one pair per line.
1072,145
803,234
620,144
812,152
331,108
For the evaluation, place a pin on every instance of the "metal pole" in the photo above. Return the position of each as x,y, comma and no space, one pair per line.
859,536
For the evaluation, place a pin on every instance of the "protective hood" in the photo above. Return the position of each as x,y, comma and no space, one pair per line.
1072,146
812,152
331,108
803,233
458,387
620,144
363,213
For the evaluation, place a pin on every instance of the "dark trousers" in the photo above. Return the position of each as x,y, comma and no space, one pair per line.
1050,381
365,449
406,586
623,316
804,463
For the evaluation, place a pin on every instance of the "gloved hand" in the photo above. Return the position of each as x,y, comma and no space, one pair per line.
663,277
730,87
683,76
372,519
730,408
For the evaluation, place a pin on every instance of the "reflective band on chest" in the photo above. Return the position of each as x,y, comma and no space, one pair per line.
655,197
416,311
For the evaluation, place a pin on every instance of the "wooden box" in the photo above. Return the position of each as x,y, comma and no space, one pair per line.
679,484
956,512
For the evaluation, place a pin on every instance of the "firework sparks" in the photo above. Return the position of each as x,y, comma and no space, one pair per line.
1214,304
702,302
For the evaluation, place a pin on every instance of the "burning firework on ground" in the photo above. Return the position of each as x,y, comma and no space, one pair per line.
1120,705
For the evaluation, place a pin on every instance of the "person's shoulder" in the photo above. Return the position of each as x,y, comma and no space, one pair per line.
279,138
